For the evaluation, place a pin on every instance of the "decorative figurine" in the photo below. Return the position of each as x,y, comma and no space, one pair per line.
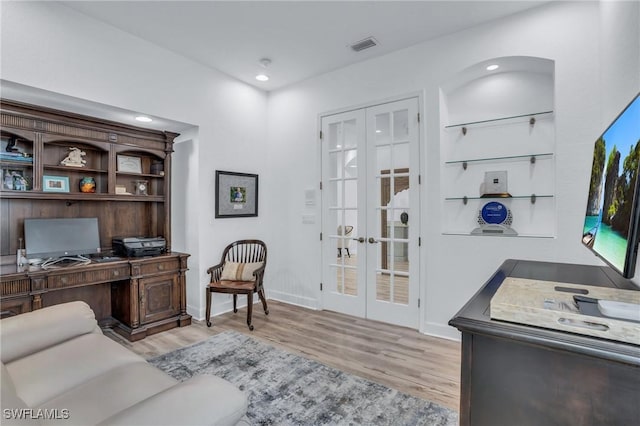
74,158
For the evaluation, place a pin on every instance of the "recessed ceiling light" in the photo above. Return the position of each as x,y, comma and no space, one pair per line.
144,119
264,63
493,67
378,131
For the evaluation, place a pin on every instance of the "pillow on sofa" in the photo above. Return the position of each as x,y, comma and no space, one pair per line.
233,271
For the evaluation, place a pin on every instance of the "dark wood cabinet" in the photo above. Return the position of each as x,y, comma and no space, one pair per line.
45,137
137,296
514,374
122,296
159,298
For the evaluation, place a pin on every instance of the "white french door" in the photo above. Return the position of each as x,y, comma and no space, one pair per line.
370,206
343,209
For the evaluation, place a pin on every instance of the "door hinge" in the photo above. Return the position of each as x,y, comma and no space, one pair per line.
320,286
418,117
419,179
320,134
321,236
321,186
418,303
419,241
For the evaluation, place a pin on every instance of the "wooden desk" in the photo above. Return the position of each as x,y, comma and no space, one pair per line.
135,296
514,374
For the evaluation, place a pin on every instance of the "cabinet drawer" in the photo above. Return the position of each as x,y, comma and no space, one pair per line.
17,306
88,277
12,287
160,266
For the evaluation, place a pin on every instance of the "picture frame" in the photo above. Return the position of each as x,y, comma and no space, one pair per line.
55,183
236,195
129,164
15,180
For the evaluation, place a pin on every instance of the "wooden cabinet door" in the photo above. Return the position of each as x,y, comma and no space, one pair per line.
11,307
159,298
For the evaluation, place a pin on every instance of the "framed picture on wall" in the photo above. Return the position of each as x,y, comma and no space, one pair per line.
236,194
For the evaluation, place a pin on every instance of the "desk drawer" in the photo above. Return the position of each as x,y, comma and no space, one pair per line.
77,278
149,267
12,287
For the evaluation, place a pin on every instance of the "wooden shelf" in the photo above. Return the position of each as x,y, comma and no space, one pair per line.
66,169
42,195
140,175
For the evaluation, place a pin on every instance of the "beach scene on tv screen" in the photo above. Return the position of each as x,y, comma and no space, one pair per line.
611,191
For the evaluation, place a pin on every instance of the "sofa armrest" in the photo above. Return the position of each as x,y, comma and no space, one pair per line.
201,400
34,331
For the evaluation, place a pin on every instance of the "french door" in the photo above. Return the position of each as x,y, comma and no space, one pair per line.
370,211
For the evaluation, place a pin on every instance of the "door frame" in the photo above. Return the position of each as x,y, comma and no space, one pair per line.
422,263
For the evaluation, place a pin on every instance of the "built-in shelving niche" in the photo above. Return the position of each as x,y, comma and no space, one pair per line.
501,120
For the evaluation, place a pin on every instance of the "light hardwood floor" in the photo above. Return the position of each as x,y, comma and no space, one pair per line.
397,357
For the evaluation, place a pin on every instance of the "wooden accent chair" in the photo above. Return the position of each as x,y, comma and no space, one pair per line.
239,272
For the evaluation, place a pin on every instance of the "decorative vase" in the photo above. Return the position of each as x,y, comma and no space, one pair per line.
87,184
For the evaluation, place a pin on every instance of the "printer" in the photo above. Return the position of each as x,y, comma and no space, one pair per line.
138,246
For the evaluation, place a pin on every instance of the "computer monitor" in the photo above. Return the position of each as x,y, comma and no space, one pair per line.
61,238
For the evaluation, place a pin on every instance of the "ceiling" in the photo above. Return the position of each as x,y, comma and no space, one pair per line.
303,39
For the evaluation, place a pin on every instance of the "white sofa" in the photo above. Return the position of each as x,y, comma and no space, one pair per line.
59,368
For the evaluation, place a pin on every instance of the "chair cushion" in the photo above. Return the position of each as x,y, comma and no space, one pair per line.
233,271
234,285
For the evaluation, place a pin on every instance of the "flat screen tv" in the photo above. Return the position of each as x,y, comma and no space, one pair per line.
613,215
60,238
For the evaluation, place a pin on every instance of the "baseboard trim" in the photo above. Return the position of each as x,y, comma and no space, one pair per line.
219,308
302,301
442,331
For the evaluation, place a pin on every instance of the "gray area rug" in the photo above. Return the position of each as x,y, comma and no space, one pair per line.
287,389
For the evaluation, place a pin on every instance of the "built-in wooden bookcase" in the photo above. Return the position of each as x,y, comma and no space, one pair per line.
137,296
126,201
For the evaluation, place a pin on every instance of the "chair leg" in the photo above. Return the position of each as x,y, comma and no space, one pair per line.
348,254
235,303
264,301
249,309
208,315
339,252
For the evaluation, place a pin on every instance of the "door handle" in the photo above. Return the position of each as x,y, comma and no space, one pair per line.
360,240
373,240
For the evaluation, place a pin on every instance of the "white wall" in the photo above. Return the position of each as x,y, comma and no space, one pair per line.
49,46
455,267
596,54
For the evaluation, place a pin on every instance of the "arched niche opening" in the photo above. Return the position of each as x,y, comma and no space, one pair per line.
497,117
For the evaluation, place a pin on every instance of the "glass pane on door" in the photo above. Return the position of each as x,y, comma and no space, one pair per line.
342,199
393,206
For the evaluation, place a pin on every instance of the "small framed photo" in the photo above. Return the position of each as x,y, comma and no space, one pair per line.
236,194
15,180
129,164
55,183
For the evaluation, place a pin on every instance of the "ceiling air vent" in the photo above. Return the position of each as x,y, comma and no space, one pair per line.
364,44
